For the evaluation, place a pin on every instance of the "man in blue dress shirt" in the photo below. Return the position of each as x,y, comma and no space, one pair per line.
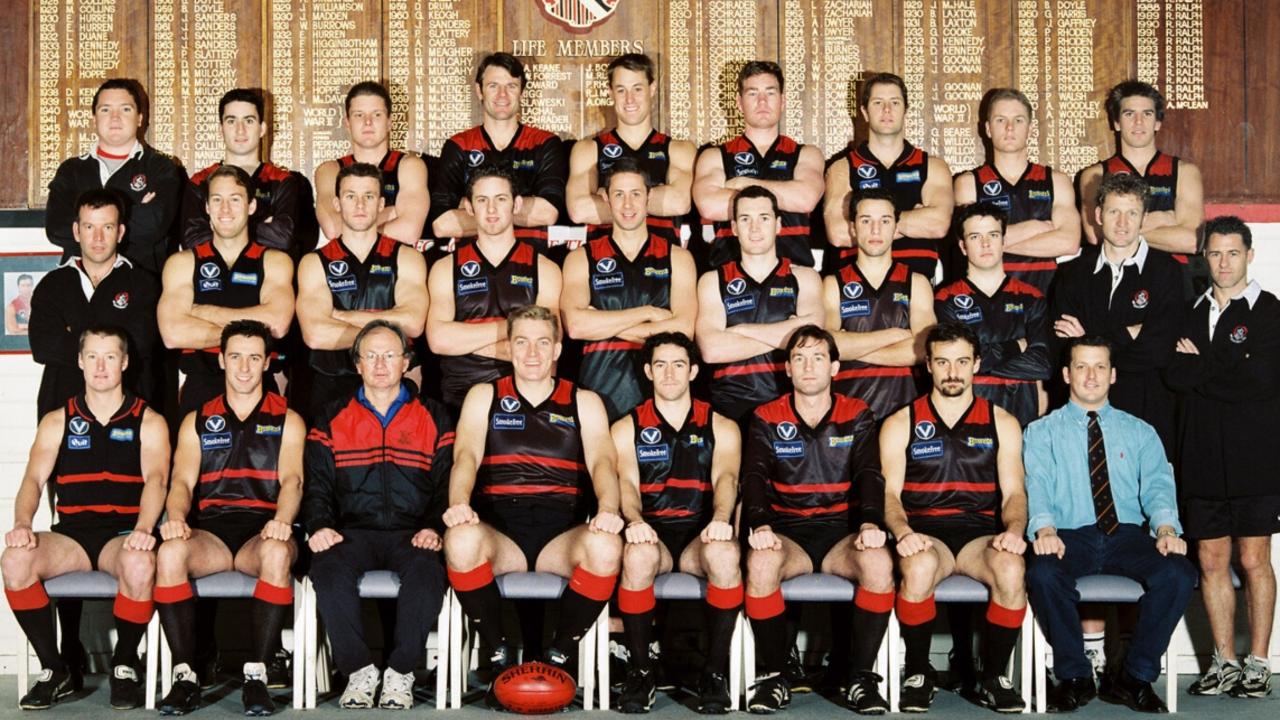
1101,499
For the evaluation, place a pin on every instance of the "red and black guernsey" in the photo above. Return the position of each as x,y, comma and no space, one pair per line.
742,159
239,459
951,474
1016,311
864,308
612,367
97,478
905,180
485,292
653,156
1030,197
675,465
213,283
356,284
796,474
737,388
1162,180
274,189
533,453
390,167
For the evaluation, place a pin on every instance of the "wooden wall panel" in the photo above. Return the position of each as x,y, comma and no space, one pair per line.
1261,129
15,27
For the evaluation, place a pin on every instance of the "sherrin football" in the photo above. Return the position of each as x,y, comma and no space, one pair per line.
535,688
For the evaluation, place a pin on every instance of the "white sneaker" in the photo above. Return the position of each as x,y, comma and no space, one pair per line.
397,690
361,687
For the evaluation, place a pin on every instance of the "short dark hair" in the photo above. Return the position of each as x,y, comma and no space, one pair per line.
100,198
760,67
653,342
807,333
882,78
368,87
635,62
1123,184
506,61
753,192
1086,341
997,94
981,209
628,165
246,328
489,171
1128,89
114,331
26,276
237,174
861,196
1228,225
253,96
359,170
945,332
406,346
129,85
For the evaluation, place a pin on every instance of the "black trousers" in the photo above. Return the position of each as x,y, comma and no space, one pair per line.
336,574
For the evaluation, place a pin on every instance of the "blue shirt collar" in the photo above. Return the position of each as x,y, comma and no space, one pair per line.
401,399
1080,415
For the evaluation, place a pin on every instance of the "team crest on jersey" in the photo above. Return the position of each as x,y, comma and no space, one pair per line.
926,448
1140,299
612,150
578,15
650,435
992,188
964,302
209,280
121,434
852,290
787,430
855,305
745,158
866,172
652,448
736,286
120,301
965,311
138,183
509,403
789,447
925,430
606,276
78,426
738,302
339,278
470,268
606,265
1239,334
475,157
338,267
215,423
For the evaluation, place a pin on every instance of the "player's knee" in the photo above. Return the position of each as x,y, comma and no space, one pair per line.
720,555
919,570
603,553
1009,571
274,556
18,567
1256,560
640,561
763,565
172,557
1215,558
875,570
464,546
137,568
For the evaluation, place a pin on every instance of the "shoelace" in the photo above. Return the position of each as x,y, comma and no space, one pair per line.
914,681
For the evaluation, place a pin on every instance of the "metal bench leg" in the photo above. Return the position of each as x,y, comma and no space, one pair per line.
735,664
1040,655
602,657
309,643
300,663
153,659
586,666
442,650
166,664
1025,652
748,661
457,656
893,674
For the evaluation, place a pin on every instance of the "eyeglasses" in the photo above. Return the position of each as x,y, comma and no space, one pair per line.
386,357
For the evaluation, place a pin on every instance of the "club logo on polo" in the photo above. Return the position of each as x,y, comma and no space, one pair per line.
925,430
139,183
1239,334
121,301
866,172
475,157
964,302
745,158
509,403
852,290
1140,299
650,435
787,430
470,268
209,270
736,286
613,150
578,15
606,265
992,188
215,423
338,267
79,426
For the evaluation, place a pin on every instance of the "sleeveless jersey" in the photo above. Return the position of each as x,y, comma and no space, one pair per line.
1030,197
483,292
653,156
390,167
951,473
213,283
356,285
1161,177
97,477
738,388
778,162
1016,311
533,452
612,367
239,459
675,465
520,158
905,180
864,308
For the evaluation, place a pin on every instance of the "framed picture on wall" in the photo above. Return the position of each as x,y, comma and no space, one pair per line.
20,273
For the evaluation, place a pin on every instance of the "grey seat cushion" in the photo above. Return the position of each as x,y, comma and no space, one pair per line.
818,587
679,586
88,584
531,586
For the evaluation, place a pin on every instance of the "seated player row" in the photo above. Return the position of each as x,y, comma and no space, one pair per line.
530,480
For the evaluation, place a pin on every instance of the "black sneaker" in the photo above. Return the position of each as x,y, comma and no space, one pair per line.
713,694
126,688
280,670
794,671
999,695
772,693
183,697
864,695
499,660
49,689
638,692
257,701
917,693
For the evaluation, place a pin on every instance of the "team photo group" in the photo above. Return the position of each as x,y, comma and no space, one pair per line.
760,363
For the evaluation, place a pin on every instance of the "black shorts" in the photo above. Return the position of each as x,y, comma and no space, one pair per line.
815,538
92,537
235,529
954,535
676,537
1205,518
530,527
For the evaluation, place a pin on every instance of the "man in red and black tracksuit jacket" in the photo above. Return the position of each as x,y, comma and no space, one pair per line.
377,468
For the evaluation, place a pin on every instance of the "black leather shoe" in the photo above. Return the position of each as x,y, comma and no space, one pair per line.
1071,695
1135,694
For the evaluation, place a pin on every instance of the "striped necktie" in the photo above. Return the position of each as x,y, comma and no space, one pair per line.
1099,479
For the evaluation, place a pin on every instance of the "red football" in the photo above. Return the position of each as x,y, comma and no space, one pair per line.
535,688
